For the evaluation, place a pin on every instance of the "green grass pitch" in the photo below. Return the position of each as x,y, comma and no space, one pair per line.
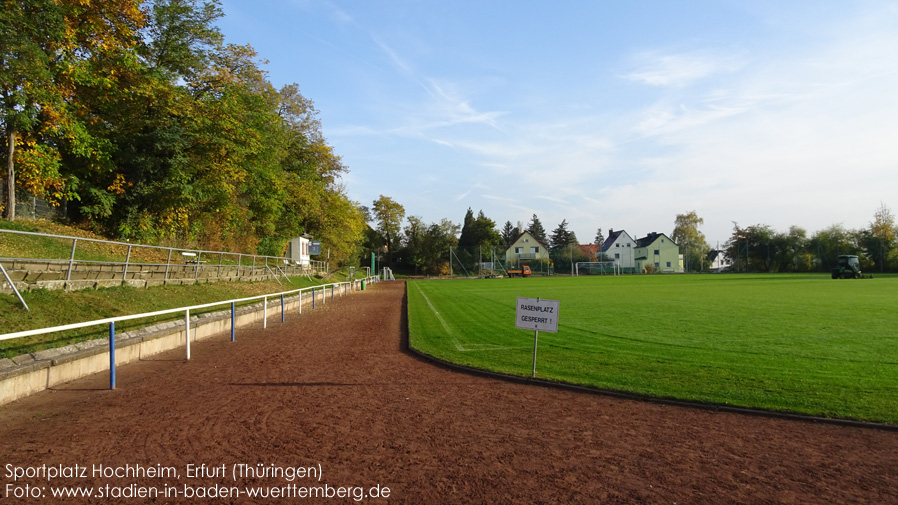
793,343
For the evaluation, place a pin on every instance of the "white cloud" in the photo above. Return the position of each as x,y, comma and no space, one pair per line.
657,68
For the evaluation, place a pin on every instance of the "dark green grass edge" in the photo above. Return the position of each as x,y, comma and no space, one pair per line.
626,395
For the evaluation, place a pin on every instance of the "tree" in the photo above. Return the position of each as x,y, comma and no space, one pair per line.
879,241
536,229
691,241
389,215
600,238
562,237
509,234
563,248
479,231
53,53
826,245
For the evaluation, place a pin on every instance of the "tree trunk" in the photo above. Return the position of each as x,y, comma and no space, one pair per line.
11,178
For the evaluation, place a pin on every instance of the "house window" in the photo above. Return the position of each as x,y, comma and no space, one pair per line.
668,264
518,250
534,250
616,245
617,256
658,251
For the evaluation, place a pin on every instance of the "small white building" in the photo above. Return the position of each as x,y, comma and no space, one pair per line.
298,250
619,247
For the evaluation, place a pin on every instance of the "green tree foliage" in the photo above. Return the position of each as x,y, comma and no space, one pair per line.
536,229
600,237
760,248
389,215
563,247
562,237
691,240
509,233
53,53
879,239
426,247
826,245
479,231
158,131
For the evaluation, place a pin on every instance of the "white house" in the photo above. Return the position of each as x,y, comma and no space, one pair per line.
619,247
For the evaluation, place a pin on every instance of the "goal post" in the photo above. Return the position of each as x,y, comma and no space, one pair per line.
596,268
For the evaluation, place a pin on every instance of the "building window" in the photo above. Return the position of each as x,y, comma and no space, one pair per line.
616,245
668,264
617,256
658,251
518,250
534,250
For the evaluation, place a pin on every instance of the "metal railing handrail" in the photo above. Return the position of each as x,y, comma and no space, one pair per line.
85,324
130,244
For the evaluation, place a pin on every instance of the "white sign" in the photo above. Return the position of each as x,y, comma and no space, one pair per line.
536,314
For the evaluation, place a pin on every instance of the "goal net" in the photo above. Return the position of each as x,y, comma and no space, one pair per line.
596,268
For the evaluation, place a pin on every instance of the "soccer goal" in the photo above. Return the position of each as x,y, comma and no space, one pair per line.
596,268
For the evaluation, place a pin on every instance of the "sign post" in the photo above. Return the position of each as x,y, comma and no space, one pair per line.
538,315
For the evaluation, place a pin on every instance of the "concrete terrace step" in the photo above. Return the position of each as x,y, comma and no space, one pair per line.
45,274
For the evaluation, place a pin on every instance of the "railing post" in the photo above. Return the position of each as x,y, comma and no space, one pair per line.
127,260
68,274
232,321
265,312
112,355
300,301
239,262
220,258
187,330
167,266
313,298
282,309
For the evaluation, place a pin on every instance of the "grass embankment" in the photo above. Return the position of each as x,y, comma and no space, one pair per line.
794,343
55,308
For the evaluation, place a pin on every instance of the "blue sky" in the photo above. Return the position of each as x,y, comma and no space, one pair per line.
607,114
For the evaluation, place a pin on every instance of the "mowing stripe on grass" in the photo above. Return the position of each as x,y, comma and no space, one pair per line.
458,346
790,343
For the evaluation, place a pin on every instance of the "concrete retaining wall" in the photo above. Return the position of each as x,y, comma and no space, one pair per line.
60,274
30,373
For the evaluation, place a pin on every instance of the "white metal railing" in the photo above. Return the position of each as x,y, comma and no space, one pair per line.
190,257
346,286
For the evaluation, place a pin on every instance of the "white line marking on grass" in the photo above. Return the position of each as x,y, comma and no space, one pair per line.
458,346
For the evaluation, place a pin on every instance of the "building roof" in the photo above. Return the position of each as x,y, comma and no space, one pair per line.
612,237
651,238
538,241
590,249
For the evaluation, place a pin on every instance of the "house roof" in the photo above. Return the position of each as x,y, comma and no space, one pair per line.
591,249
612,237
538,241
651,238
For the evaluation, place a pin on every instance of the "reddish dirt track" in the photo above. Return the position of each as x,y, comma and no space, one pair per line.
336,387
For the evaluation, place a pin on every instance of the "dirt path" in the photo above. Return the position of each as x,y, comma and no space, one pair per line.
335,388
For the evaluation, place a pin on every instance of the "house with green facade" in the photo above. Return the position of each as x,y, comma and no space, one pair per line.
656,252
